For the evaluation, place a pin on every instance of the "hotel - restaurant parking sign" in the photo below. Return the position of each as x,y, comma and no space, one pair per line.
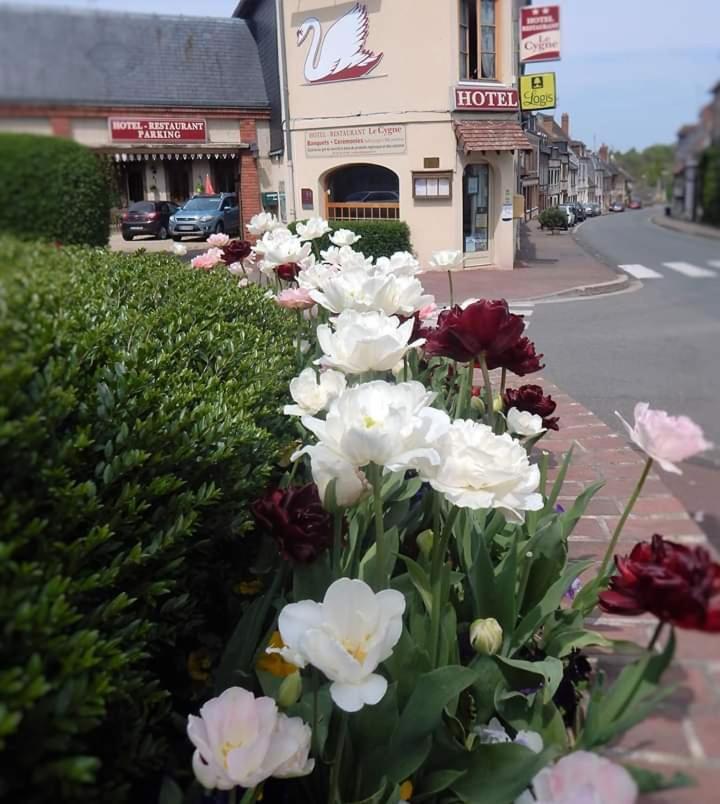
539,33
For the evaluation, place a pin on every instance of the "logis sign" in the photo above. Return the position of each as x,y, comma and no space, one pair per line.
340,54
539,33
537,92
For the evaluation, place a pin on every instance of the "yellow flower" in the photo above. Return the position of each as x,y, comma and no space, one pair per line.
406,790
274,662
248,587
198,665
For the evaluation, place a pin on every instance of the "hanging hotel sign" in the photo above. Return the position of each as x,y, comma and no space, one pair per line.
486,99
355,141
157,129
537,92
539,33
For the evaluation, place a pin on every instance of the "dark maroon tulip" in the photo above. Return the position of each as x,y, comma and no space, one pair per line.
482,327
236,251
296,520
531,399
678,584
520,358
287,271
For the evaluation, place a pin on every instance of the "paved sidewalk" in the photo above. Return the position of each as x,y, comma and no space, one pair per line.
687,227
193,245
548,264
684,732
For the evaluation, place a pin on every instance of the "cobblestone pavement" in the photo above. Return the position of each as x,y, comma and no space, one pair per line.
683,734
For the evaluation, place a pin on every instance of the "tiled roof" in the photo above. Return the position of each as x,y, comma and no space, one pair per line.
491,135
87,57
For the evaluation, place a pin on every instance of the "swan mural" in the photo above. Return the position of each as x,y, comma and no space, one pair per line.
340,54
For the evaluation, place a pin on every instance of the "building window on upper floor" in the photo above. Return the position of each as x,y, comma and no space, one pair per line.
478,39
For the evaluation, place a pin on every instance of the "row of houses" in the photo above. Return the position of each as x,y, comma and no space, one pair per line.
693,144
560,169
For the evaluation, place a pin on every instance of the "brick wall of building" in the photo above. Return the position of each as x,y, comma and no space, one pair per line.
249,179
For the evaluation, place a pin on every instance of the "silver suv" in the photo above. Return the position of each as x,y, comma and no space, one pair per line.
204,215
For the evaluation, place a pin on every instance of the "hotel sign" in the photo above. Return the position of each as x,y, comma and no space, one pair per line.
355,141
486,99
156,129
539,33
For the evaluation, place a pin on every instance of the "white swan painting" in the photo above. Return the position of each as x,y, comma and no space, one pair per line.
340,54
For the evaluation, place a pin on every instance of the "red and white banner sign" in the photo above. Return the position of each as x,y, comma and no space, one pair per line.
487,100
157,129
539,33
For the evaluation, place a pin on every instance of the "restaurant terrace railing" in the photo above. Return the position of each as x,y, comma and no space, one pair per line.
363,211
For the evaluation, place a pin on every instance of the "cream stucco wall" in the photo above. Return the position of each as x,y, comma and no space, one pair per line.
26,125
412,86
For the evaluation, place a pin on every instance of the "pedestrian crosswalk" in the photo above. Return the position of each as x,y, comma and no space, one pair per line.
688,269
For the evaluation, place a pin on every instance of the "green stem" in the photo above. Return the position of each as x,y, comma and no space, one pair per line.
440,547
487,382
375,473
249,795
621,523
656,633
334,793
503,380
298,340
460,404
452,293
337,542
405,367
315,681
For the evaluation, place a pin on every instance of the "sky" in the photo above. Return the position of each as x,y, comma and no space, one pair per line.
632,71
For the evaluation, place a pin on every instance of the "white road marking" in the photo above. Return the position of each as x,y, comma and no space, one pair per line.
688,269
640,271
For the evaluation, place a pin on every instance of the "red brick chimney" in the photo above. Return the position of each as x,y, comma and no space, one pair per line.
603,152
565,124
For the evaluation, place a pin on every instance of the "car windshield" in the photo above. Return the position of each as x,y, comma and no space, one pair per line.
208,202
142,206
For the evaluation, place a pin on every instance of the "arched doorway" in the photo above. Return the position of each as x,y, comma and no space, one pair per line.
362,192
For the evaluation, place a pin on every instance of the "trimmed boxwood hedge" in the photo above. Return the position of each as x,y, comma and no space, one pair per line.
379,238
53,189
139,414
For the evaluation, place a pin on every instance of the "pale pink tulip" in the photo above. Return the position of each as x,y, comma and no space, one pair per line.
427,311
664,438
219,240
584,778
208,260
295,299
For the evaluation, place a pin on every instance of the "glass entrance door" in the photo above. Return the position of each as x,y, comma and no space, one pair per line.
476,208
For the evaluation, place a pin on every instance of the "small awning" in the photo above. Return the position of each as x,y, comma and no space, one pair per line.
491,135
142,153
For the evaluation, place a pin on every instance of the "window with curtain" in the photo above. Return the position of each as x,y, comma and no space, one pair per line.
478,39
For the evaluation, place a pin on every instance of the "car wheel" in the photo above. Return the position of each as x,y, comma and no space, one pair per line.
162,233
126,236
176,238
219,228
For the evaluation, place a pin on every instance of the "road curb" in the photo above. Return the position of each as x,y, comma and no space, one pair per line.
622,282
694,230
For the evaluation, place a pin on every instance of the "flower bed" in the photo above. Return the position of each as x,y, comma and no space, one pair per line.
424,636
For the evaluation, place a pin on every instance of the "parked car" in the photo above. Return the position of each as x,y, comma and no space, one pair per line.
579,210
635,204
147,218
369,196
592,210
617,206
569,210
204,215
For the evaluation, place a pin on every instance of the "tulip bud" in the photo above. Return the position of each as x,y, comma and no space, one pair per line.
486,636
425,542
476,403
498,404
290,690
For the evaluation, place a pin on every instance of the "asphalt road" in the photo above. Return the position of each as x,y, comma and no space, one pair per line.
658,342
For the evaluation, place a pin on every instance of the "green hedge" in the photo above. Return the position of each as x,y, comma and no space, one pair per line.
139,414
710,185
379,238
53,189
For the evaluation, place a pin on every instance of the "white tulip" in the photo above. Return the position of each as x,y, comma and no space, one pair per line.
495,732
313,394
344,237
524,423
312,229
261,223
382,423
447,260
315,276
179,250
242,740
351,484
360,342
346,637
356,290
401,263
479,469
